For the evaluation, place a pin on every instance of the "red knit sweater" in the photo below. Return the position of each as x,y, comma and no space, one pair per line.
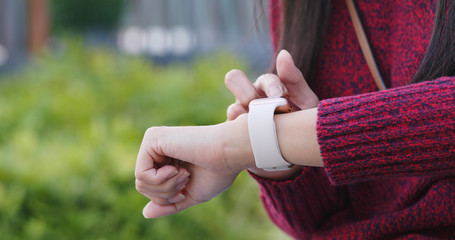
389,155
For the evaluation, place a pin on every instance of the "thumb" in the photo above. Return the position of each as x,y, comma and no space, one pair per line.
153,210
298,89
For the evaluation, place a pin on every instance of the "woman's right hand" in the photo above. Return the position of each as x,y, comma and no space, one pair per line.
289,83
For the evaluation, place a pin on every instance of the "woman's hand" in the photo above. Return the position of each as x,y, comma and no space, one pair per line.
178,167
289,83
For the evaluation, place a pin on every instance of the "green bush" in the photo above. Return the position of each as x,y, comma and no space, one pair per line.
71,124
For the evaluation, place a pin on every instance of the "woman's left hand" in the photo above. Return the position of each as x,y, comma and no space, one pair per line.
199,150
289,83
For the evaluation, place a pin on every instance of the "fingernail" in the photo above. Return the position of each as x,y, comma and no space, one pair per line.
179,197
173,174
285,52
183,177
275,92
181,185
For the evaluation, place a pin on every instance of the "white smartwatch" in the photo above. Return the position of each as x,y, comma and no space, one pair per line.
263,137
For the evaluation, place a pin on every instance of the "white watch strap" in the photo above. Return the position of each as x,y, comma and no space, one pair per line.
262,131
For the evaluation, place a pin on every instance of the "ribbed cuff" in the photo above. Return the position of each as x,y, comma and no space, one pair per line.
397,132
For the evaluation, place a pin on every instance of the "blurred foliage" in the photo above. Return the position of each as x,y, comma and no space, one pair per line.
80,15
71,124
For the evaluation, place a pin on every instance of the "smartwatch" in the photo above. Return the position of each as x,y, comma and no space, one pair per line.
263,137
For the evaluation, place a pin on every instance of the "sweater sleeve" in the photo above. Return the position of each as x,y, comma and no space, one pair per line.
405,131
301,204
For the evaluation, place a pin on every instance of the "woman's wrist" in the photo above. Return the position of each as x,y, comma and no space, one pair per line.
239,155
237,151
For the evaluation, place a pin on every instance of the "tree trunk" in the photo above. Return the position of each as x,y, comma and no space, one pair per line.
38,24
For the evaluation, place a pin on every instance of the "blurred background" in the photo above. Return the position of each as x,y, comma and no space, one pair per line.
81,81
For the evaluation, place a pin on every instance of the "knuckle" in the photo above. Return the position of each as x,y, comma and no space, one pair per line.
232,108
230,113
145,178
234,111
140,176
156,180
151,131
267,78
140,186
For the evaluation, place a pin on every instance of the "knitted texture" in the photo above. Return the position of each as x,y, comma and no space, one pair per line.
389,157
399,132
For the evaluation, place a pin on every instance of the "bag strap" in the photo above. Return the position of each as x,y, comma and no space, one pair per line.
364,45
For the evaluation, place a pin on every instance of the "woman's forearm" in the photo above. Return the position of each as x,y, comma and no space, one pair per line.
297,137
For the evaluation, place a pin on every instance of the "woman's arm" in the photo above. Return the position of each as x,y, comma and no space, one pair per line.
404,131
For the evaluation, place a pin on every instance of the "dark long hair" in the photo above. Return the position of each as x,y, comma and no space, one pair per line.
305,22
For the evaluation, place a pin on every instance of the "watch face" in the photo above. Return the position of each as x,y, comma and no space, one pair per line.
278,101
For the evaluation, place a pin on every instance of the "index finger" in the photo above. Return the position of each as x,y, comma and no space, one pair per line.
147,156
244,91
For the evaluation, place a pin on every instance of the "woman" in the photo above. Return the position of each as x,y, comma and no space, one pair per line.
367,163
